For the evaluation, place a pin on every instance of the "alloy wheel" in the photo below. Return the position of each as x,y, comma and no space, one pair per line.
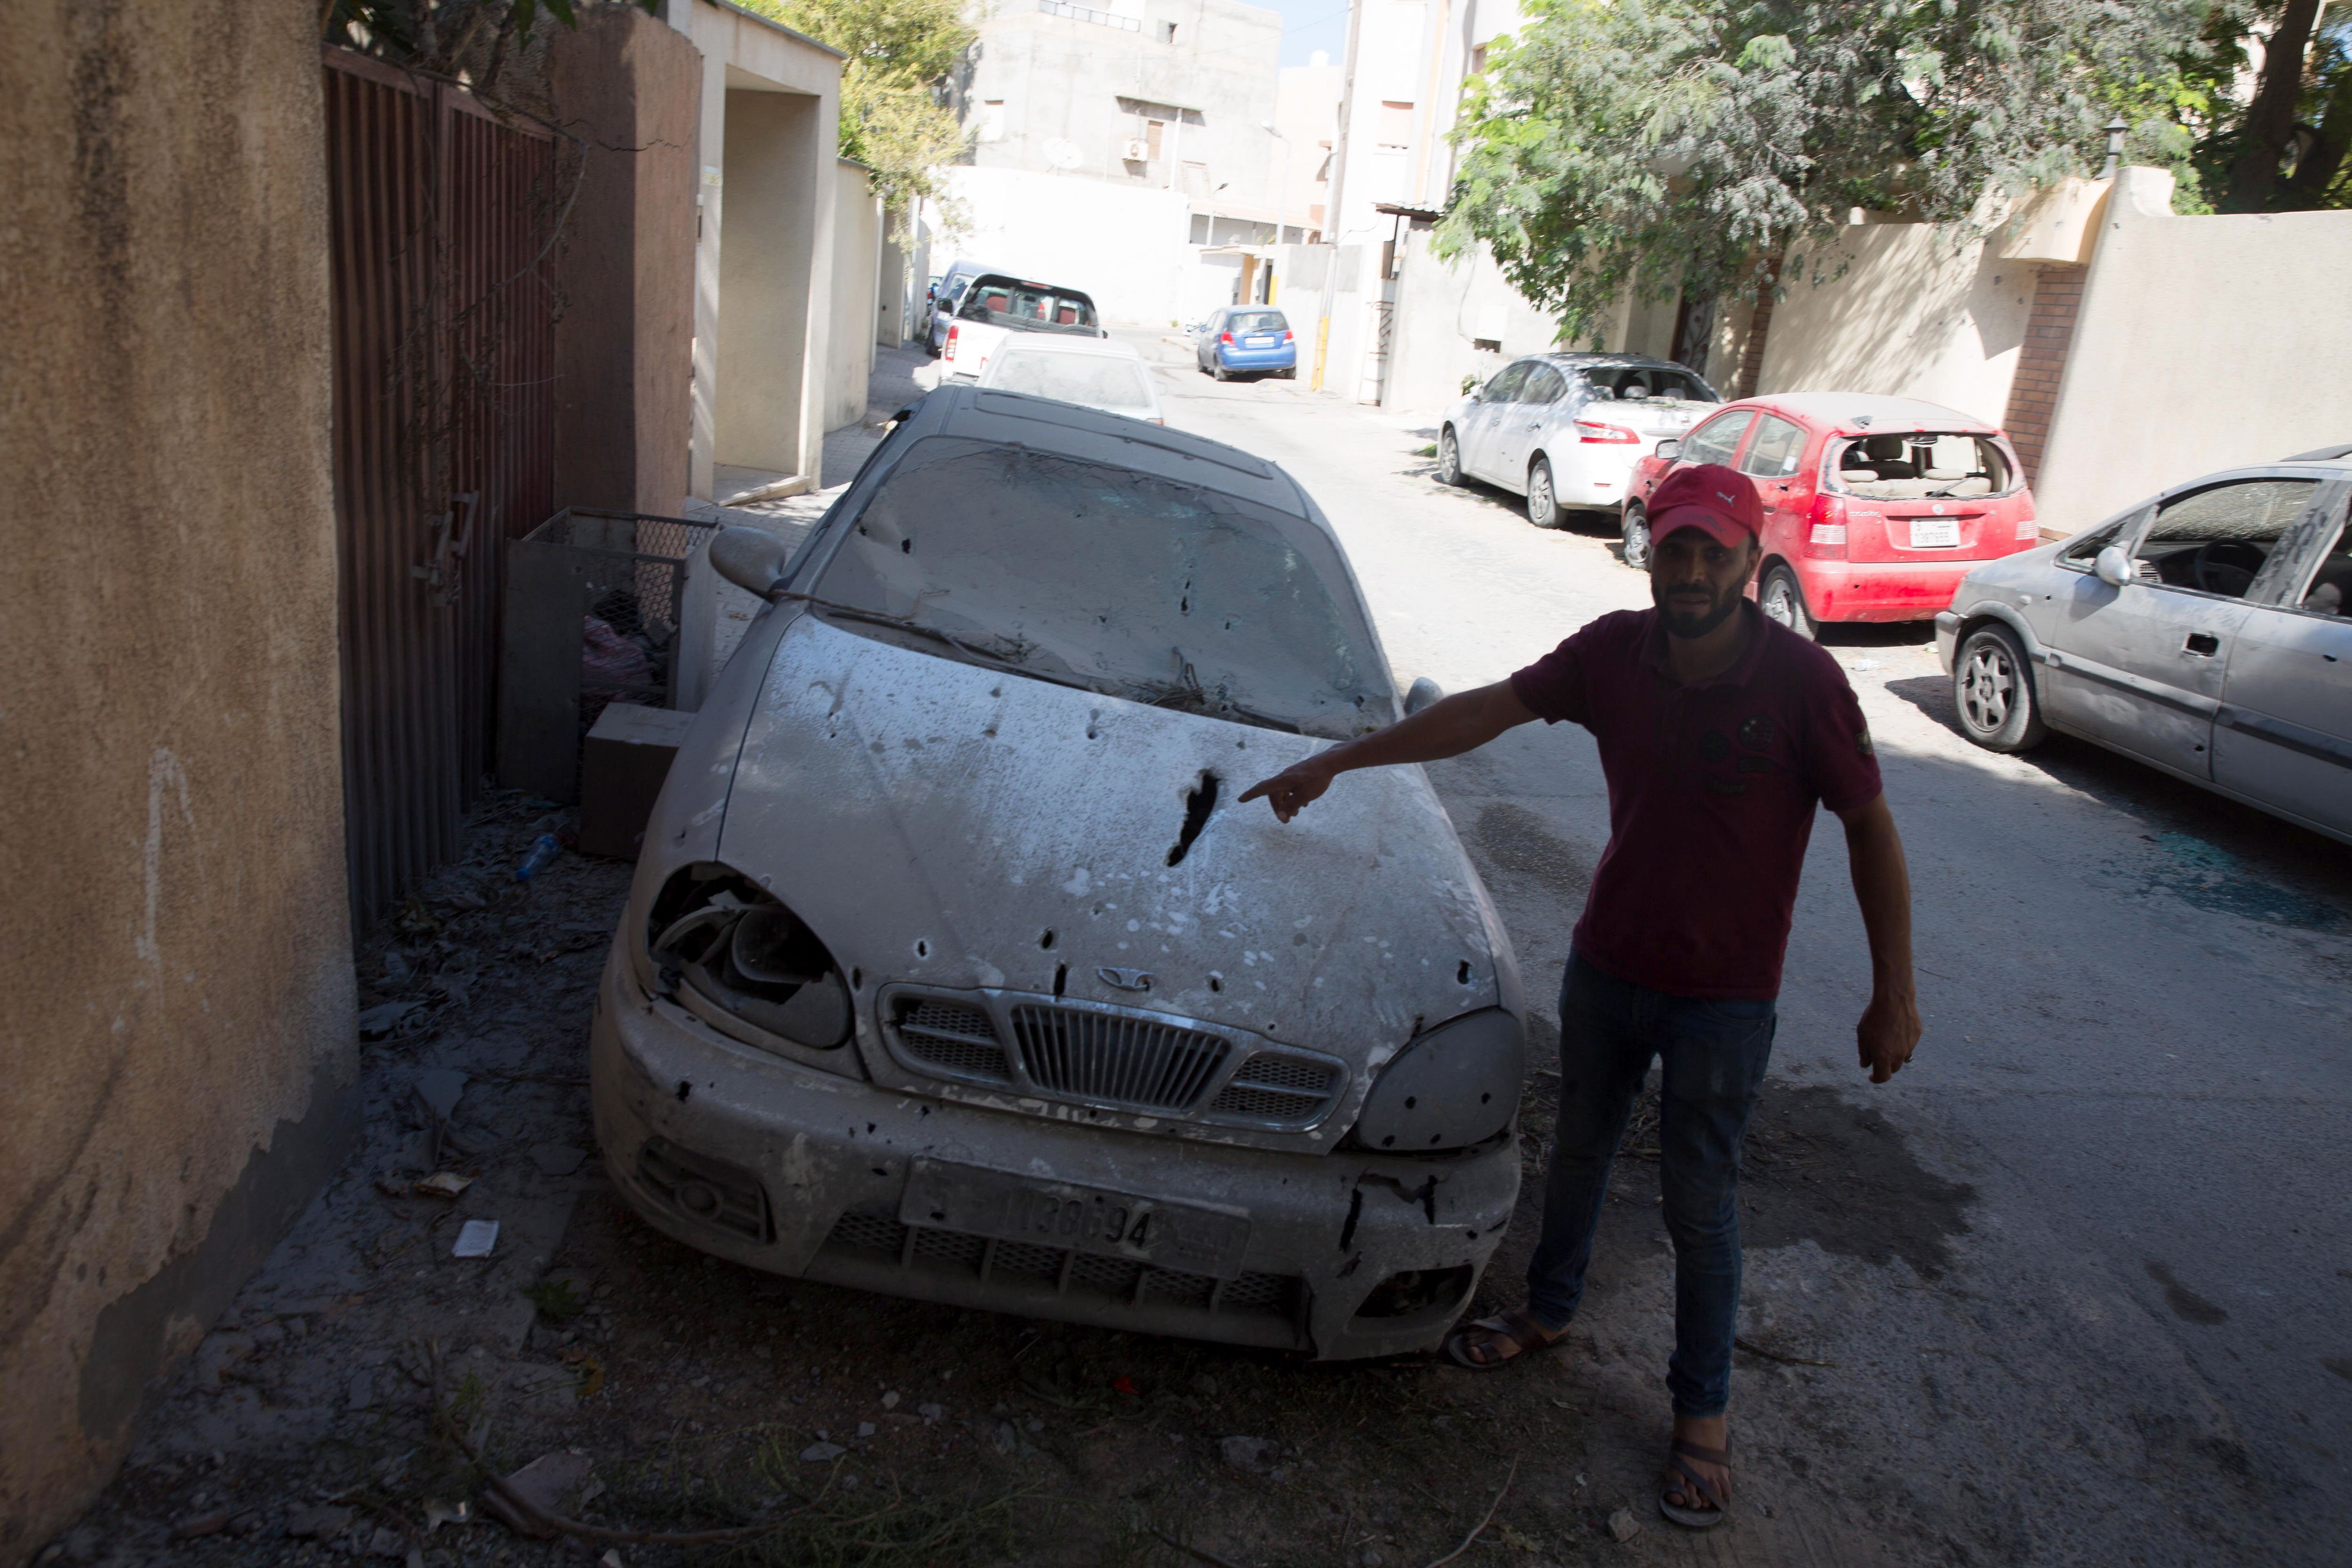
1987,683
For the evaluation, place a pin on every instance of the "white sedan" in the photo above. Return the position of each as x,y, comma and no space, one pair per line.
1564,429
1093,372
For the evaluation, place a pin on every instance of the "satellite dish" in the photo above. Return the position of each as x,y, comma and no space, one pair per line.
1064,155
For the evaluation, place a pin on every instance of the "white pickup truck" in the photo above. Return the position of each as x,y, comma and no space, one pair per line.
997,303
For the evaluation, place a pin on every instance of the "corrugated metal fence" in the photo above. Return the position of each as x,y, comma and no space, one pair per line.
444,415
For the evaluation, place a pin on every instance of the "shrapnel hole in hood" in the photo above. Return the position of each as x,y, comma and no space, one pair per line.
1112,580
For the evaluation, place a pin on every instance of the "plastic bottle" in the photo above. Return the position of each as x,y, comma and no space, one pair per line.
543,855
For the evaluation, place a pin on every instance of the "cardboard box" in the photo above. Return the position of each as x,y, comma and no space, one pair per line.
621,771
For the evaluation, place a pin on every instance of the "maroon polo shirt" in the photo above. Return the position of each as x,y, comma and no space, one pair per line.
1712,787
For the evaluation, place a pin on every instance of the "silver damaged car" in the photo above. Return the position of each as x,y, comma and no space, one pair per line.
2206,631
951,970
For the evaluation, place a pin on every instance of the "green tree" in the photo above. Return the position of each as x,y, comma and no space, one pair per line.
1686,144
900,53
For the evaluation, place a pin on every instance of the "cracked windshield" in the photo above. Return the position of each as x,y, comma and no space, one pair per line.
1112,580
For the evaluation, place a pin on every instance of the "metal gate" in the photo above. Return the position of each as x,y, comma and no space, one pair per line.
442,222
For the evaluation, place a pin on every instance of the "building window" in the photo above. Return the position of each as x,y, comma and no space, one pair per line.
1479,65
1168,32
1396,125
1200,228
991,120
1152,129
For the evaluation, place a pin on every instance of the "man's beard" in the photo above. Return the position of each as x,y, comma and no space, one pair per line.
1689,625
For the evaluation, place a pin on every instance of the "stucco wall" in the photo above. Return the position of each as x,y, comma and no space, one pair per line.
2201,344
1444,310
1916,310
176,981
856,288
631,89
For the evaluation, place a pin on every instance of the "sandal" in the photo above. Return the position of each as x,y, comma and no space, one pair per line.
1697,1518
1516,1329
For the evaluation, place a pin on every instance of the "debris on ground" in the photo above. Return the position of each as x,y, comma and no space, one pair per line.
1623,1526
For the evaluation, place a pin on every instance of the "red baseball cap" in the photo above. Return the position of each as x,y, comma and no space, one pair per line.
1709,496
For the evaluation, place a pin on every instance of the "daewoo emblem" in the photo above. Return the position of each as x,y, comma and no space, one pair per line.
1125,979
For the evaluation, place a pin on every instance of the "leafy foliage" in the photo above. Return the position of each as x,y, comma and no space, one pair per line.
476,40
1686,144
900,51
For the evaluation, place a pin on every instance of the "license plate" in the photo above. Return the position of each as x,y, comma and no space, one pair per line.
1258,343
1011,1207
1935,532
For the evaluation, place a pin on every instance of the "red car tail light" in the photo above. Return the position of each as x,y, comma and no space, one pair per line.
1225,337
1287,334
1592,431
1825,532
952,331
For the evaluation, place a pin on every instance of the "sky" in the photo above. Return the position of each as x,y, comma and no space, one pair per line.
1311,25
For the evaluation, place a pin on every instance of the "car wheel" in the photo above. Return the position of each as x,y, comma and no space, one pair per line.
1291,374
1781,599
1637,536
1543,506
1218,371
1993,688
1449,458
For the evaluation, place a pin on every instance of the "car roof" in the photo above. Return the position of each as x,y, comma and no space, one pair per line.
1612,361
1868,413
1053,343
1069,429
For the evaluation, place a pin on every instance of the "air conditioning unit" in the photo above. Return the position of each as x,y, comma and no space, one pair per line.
1137,151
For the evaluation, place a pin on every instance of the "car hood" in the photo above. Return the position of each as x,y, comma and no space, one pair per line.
944,824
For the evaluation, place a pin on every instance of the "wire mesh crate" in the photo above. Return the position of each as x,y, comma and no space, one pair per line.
600,607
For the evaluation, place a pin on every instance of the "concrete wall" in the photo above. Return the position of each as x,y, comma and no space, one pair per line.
857,286
176,994
1125,244
1062,94
762,313
625,346
1446,310
1922,311
2201,344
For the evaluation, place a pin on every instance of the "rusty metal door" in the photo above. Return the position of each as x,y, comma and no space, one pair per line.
442,222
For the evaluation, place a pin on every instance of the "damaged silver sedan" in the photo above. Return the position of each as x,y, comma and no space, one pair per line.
952,972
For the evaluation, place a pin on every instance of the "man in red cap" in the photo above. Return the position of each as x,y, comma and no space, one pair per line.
1719,732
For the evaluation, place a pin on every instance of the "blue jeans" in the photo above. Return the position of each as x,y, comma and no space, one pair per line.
1714,1054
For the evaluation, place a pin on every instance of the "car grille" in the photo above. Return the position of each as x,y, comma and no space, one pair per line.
1271,1087
950,1035
1119,1279
1108,1060
1112,1057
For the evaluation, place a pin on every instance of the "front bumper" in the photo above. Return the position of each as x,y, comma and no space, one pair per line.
825,1160
1948,638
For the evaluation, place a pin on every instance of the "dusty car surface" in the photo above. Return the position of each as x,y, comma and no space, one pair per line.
2205,632
1098,372
951,971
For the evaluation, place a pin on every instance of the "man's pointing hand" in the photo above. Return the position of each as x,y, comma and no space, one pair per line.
1289,791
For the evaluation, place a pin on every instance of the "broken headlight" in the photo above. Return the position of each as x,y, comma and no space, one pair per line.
724,948
1455,1086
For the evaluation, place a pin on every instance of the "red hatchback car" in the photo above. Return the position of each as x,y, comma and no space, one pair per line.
1875,508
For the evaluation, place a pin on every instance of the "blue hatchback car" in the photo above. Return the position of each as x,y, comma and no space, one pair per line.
1247,339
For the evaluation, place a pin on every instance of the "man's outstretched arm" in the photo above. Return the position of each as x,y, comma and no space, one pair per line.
1882,886
1446,728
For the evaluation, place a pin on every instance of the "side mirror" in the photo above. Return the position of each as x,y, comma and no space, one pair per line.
2114,567
1669,450
750,558
1420,694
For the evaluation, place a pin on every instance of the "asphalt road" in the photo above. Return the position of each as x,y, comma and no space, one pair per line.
2079,1277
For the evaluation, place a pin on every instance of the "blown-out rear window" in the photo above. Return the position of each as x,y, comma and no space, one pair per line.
1123,583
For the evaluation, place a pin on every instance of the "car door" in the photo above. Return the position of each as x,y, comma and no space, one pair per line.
2283,735
1773,459
1517,424
2142,667
1495,400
